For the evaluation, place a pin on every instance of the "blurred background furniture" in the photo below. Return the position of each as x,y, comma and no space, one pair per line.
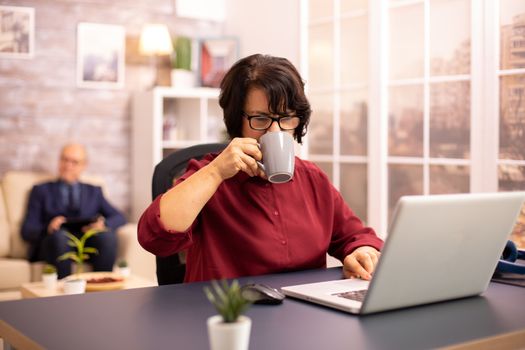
171,269
39,290
15,269
164,120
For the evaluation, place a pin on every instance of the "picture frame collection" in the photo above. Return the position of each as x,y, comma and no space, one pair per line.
101,50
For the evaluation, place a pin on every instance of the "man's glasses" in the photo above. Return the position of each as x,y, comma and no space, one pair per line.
263,122
72,161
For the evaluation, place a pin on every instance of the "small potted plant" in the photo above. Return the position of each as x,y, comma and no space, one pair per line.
123,268
181,73
230,330
77,285
49,276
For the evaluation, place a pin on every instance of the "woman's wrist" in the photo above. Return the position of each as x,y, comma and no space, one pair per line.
214,172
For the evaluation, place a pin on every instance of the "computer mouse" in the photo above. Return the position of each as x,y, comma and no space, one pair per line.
259,293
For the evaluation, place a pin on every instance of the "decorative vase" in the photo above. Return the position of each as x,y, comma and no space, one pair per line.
74,286
229,336
124,271
182,78
50,280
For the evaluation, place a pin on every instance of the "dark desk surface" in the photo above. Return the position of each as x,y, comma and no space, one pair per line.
175,317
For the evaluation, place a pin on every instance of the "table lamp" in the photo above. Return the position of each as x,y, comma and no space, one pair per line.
155,41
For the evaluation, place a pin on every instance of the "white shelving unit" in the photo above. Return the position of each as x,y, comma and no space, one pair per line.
164,120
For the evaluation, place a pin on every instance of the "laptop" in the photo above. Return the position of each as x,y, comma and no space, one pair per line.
439,247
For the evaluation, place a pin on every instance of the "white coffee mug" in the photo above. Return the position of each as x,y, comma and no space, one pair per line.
278,160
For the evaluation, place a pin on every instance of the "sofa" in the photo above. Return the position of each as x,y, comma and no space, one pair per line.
15,269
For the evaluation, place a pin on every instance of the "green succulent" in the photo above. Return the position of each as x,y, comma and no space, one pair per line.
81,252
122,263
49,269
227,299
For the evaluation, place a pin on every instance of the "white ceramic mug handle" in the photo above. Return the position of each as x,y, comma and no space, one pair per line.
261,166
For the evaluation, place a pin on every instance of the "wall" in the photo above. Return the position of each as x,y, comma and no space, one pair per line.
41,107
268,27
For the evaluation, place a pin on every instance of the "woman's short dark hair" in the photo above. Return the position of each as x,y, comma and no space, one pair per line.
277,77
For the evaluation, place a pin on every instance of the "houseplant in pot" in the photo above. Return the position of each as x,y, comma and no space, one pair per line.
123,268
230,329
49,276
77,285
181,73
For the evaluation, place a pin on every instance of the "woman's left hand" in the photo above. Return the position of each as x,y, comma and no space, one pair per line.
361,263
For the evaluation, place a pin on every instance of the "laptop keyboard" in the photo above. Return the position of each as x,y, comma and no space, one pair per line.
358,295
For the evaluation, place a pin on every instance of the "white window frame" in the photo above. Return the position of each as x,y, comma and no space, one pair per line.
484,78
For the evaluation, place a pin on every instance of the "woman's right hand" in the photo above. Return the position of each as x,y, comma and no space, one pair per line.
240,155
182,203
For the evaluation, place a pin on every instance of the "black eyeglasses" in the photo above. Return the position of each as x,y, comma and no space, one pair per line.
263,122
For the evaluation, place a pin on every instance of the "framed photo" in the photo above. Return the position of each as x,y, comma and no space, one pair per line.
101,49
216,57
17,32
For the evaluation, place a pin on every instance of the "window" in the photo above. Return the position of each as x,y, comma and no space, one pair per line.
450,103
511,78
429,98
337,83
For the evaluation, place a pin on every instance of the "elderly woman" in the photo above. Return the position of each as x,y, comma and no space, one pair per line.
226,214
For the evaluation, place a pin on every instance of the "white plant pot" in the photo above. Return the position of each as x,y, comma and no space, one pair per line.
229,336
50,280
182,78
124,271
74,286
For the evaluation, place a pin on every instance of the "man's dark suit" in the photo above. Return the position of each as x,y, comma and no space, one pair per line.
45,203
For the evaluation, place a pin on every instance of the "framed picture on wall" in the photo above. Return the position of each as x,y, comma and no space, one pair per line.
216,56
101,49
17,32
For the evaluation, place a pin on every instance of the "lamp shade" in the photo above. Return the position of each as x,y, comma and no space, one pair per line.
155,40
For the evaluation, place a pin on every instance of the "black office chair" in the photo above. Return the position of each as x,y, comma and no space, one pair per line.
170,269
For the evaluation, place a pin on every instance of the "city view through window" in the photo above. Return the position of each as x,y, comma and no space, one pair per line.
511,163
429,87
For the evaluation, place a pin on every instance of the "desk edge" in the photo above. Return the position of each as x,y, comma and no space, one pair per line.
511,340
16,339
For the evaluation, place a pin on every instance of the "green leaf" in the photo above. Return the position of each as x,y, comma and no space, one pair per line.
74,239
76,259
90,233
82,252
91,250
68,255
227,299
220,290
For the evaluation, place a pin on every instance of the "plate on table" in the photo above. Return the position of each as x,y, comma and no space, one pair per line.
100,281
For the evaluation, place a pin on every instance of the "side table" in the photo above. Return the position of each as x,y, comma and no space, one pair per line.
37,289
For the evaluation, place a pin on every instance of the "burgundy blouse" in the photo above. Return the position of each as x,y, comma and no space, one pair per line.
252,227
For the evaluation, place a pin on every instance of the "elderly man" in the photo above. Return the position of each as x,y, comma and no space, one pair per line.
55,205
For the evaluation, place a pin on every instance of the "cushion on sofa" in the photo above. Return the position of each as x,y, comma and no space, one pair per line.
16,186
14,272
